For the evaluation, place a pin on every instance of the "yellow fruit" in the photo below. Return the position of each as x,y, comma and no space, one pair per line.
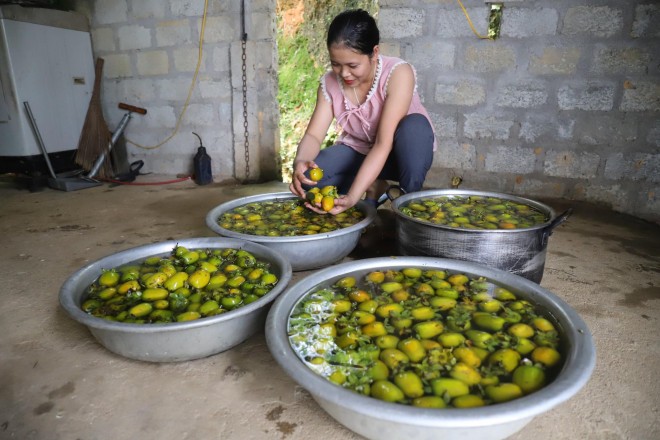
429,402
374,329
507,358
376,277
359,295
327,203
543,325
547,356
346,282
413,348
468,401
329,191
468,356
199,279
458,279
521,330
465,374
316,174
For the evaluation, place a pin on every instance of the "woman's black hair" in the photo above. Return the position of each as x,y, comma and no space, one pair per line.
355,29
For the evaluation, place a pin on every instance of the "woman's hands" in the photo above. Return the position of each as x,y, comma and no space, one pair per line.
298,178
342,203
310,144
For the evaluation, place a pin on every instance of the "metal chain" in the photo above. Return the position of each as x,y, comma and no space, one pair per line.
245,111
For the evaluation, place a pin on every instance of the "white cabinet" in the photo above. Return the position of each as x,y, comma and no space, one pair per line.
45,59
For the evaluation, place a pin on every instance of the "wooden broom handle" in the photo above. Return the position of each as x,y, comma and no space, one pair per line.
132,108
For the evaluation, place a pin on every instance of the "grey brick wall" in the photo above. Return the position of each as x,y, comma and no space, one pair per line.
151,48
566,103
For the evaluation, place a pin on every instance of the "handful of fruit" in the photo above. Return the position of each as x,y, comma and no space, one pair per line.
323,196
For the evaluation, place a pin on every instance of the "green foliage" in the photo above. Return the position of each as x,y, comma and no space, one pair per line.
302,61
298,81
298,76
319,15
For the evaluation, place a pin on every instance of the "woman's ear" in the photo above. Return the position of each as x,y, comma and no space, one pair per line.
376,51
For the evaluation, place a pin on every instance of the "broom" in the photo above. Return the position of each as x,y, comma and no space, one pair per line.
95,136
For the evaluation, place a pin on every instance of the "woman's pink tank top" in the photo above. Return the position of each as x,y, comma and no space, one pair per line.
358,124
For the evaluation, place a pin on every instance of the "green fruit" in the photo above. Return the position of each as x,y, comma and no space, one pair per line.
488,322
503,392
140,310
450,387
176,281
109,278
412,348
428,329
154,294
429,402
387,391
529,378
409,383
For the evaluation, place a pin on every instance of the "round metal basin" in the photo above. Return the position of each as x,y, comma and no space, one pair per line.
376,419
304,252
180,341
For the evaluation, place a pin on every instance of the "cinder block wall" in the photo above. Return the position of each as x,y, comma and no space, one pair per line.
564,104
151,47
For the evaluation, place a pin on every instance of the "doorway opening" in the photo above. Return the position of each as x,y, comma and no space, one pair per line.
302,59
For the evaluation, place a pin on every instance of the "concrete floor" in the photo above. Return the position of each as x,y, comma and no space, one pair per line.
57,382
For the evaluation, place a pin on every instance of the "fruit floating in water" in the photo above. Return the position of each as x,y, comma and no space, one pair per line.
286,218
185,285
474,212
426,338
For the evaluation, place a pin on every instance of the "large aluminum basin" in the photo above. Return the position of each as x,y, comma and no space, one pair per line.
304,252
376,419
177,341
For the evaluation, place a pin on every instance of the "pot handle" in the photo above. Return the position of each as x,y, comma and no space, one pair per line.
561,218
391,188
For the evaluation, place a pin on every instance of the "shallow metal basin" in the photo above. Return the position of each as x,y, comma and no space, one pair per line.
375,419
304,252
178,341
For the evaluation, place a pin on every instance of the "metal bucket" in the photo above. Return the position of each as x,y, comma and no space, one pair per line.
519,251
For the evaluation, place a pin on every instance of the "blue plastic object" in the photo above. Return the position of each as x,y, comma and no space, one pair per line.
202,165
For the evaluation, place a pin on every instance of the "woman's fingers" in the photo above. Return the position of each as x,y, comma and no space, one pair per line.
295,190
314,208
342,203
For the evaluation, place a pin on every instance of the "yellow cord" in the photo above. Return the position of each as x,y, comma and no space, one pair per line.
470,22
199,62
190,89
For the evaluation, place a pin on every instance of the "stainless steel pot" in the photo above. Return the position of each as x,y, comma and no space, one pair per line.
304,252
519,251
376,419
179,341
